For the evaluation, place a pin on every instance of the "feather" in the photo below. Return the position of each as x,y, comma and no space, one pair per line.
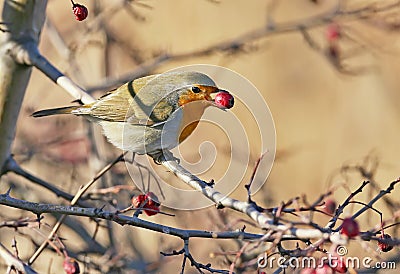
54,111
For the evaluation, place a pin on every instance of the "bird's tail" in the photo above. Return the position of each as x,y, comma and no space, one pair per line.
54,111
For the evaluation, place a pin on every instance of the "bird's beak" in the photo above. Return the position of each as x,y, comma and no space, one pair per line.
209,90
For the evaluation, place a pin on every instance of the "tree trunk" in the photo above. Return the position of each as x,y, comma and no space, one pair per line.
22,24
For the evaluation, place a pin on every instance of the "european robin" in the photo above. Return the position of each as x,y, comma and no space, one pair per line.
150,114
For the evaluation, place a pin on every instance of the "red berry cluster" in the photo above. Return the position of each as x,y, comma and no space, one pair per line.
148,202
80,11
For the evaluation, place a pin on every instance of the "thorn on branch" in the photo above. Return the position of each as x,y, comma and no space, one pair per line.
39,217
7,194
211,183
101,208
220,205
78,101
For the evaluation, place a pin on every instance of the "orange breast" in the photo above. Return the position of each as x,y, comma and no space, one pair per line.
191,117
187,131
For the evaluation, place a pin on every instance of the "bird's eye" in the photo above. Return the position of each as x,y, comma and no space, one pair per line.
196,89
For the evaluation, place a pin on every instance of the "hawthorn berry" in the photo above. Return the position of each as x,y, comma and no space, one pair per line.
224,99
333,32
324,269
148,202
71,266
329,206
384,247
340,265
350,227
80,11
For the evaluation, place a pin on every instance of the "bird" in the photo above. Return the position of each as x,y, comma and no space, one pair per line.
150,114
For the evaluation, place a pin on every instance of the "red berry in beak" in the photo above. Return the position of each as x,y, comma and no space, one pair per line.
350,228
224,99
80,11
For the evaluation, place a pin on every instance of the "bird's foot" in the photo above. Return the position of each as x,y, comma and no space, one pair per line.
157,157
162,155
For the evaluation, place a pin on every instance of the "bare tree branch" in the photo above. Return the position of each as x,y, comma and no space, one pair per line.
250,209
74,201
39,208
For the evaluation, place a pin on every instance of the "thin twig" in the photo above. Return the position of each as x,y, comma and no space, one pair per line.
376,198
74,201
14,262
253,174
13,166
23,222
340,209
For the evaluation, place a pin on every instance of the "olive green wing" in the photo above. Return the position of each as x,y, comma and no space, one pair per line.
127,104
117,105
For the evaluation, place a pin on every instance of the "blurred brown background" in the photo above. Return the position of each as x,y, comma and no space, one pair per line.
324,118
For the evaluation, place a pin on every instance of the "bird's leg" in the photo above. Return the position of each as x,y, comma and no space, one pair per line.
169,156
160,155
157,156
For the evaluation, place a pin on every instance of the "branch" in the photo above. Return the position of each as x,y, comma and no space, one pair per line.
22,222
376,198
250,209
74,201
41,63
237,43
340,209
188,256
40,208
12,165
24,23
